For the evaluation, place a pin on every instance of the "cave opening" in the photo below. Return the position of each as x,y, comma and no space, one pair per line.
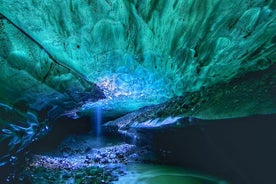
114,91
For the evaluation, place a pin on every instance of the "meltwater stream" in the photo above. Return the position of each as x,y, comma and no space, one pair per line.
163,174
97,122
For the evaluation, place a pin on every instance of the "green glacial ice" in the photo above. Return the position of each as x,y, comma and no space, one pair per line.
144,64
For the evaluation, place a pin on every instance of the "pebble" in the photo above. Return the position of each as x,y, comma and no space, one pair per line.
79,175
112,156
108,162
87,149
88,157
66,175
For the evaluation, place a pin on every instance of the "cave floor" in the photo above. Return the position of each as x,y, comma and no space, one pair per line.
88,159
83,159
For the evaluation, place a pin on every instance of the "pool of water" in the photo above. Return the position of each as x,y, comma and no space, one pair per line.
162,174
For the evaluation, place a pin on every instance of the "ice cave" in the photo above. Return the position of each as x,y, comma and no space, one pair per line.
138,91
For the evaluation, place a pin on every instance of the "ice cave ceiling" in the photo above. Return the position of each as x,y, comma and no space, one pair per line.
209,59
153,61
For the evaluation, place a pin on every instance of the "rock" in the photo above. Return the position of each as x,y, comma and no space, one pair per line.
97,158
104,161
66,175
87,149
93,171
79,175
133,156
104,154
65,155
112,156
88,157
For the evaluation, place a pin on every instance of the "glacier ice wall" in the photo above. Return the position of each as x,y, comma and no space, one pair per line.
144,52
209,59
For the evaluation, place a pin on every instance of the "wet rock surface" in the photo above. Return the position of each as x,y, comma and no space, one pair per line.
83,159
84,175
109,155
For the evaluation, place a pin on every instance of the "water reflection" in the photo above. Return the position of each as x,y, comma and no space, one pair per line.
162,174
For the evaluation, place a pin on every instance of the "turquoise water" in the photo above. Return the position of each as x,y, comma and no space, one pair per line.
162,174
